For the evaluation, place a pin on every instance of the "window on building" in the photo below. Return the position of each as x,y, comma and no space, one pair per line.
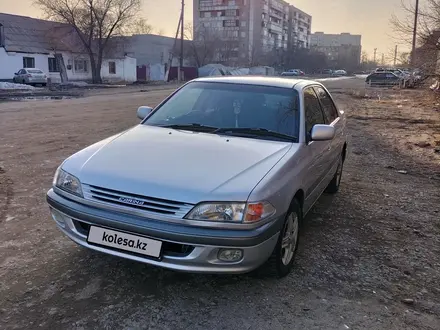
28,62
230,23
81,65
112,67
53,64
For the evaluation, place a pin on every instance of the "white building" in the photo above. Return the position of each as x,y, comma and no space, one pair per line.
153,54
27,42
252,27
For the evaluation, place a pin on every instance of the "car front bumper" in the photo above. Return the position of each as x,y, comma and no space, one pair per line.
184,248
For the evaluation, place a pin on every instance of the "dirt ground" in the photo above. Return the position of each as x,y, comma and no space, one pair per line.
369,257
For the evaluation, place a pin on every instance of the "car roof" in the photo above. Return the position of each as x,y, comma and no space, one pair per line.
259,80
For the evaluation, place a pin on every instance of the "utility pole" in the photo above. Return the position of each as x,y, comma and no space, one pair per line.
181,40
375,50
173,52
395,55
416,16
383,59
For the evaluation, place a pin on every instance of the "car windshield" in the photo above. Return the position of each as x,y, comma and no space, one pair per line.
34,71
219,106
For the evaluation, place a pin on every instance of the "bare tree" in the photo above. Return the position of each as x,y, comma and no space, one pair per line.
203,45
159,32
428,32
141,26
59,38
404,59
364,57
255,55
401,58
228,53
95,22
138,26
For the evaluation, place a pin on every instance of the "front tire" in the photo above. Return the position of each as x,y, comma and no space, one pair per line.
333,186
281,261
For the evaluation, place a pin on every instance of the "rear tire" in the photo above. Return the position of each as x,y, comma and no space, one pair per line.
281,261
333,186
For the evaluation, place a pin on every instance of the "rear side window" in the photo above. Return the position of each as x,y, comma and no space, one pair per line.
328,106
312,110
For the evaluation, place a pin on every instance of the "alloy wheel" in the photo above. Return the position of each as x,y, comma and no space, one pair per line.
290,238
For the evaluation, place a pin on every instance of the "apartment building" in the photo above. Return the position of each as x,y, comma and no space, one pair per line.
252,27
342,50
300,28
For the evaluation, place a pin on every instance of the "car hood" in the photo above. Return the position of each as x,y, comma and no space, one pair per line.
177,165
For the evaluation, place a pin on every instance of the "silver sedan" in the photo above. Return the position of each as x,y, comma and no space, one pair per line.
30,77
215,179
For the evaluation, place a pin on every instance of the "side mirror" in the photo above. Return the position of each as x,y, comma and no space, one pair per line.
16,73
143,111
323,132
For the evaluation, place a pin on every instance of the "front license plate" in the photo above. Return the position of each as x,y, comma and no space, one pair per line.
124,241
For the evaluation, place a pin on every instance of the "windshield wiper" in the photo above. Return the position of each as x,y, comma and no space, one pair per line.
255,132
191,127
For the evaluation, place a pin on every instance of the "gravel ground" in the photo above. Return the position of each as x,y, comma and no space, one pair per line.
369,257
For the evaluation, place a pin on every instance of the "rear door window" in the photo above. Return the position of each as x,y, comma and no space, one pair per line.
328,106
313,111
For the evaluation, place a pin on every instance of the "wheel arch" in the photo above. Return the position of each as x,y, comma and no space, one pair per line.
299,196
344,151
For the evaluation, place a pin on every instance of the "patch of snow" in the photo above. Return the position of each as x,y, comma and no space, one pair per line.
7,85
75,83
335,78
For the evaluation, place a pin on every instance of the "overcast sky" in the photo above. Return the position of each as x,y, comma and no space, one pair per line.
370,18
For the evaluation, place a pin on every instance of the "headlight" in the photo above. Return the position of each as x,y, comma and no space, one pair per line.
67,182
231,212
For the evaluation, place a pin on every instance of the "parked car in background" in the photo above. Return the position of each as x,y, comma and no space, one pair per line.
30,77
384,78
397,72
339,73
327,71
216,179
293,72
